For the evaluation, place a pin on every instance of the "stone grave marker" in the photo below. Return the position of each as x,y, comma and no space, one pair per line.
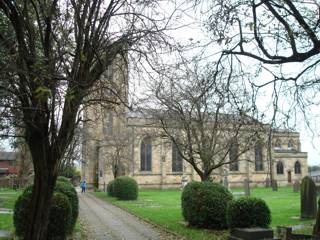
308,198
296,186
225,181
246,183
274,185
268,184
255,233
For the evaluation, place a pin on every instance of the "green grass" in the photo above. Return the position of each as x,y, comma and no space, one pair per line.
162,207
7,200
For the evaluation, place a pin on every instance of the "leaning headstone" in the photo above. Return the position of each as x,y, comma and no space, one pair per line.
274,184
296,186
247,187
308,198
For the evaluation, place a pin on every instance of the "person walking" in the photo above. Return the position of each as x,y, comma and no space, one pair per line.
83,186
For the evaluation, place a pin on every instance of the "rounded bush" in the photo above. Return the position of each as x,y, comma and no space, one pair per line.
21,211
125,188
204,204
71,194
64,180
59,215
248,212
59,218
110,189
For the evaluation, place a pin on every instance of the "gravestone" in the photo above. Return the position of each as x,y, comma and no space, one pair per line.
296,186
308,198
225,181
184,182
274,184
246,184
284,233
256,233
268,183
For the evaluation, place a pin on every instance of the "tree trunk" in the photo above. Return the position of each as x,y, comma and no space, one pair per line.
206,177
45,168
40,206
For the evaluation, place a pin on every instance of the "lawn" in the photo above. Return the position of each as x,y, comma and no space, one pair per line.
7,200
162,207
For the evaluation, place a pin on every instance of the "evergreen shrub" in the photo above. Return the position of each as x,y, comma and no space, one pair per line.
248,212
59,215
59,218
125,188
70,192
110,189
204,204
64,179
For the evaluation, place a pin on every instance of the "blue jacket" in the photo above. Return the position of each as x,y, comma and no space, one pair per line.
83,184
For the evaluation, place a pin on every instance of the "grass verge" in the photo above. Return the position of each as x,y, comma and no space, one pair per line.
163,208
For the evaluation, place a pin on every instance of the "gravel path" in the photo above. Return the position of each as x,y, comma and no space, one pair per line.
108,222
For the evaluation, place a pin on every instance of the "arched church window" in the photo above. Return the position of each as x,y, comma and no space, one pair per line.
297,168
176,159
279,167
258,157
290,144
233,157
277,144
146,154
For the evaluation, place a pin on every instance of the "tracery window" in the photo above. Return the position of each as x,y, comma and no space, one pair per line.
279,167
233,157
258,157
297,168
146,154
177,165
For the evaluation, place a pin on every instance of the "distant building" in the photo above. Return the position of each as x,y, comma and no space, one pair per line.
154,161
8,163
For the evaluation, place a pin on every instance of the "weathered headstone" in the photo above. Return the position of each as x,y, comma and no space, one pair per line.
316,227
284,233
308,198
296,186
274,184
246,184
225,181
268,182
184,182
256,233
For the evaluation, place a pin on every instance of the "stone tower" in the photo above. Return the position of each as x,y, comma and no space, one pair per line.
104,120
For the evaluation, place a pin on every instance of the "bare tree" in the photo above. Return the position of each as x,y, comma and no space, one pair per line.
207,115
280,40
282,36
117,157
56,54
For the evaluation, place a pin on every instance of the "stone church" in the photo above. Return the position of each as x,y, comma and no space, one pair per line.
117,141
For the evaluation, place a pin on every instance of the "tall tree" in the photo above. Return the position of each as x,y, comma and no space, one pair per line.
56,52
281,40
207,115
